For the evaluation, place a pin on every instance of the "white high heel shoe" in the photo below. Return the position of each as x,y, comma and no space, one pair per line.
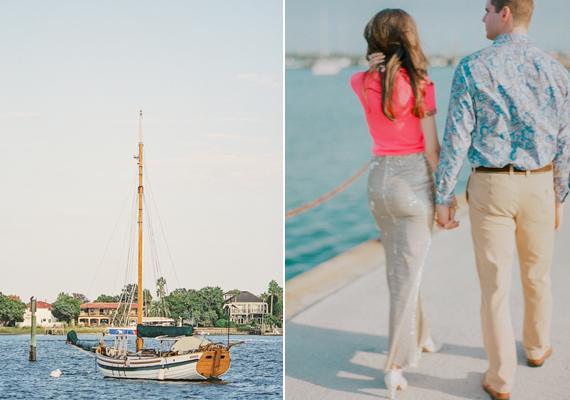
431,345
395,380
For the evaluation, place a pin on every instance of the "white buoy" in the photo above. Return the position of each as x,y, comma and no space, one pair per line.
55,374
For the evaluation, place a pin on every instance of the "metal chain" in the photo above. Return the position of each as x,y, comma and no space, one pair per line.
327,196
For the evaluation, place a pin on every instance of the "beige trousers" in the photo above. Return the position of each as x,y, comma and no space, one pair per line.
504,209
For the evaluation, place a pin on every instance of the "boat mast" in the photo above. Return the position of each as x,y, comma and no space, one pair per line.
140,223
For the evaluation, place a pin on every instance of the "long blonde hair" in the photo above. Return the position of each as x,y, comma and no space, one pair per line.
394,33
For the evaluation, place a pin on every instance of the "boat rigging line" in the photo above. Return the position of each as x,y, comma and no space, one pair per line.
129,245
152,198
183,357
111,237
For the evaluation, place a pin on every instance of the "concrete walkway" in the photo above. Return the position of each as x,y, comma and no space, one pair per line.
336,333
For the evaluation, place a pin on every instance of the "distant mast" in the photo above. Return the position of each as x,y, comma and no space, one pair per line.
140,222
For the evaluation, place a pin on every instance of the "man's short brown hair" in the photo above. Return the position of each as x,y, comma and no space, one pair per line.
521,9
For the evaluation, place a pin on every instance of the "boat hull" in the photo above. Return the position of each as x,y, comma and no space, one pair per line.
159,368
193,366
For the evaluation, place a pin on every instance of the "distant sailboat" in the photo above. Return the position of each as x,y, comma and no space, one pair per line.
325,64
181,355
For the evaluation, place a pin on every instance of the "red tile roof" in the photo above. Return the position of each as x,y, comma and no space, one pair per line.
41,304
105,305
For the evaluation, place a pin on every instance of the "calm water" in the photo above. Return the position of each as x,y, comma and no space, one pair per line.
326,142
256,373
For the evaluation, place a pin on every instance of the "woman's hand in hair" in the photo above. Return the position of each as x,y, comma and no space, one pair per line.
376,60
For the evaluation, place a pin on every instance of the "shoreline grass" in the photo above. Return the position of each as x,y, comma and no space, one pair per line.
95,330
5,330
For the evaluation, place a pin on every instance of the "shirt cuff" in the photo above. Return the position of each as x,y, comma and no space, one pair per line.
444,201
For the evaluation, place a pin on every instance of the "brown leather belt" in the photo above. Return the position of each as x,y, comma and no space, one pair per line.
506,169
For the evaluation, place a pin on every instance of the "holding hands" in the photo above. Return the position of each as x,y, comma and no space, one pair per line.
446,215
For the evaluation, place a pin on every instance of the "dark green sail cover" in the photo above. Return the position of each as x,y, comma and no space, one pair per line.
84,344
150,331
72,337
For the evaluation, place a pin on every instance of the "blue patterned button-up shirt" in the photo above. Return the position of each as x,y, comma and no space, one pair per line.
510,104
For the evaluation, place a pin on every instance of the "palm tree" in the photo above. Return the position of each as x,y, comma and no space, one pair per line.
235,293
160,306
160,287
274,290
154,309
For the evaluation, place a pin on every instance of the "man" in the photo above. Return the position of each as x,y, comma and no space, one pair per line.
510,114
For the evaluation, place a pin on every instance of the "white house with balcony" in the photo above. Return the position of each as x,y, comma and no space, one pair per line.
244,308
43,315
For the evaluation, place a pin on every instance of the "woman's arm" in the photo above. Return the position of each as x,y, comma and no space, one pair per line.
431,141
432,154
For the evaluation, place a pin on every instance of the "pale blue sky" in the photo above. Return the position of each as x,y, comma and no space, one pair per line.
445,26
74,75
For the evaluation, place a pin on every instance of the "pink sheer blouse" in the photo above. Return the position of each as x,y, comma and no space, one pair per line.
404,136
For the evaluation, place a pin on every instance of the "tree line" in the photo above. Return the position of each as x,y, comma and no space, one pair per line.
11,310
203,307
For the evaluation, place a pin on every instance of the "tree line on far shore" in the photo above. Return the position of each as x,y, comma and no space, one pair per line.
11,310
203,307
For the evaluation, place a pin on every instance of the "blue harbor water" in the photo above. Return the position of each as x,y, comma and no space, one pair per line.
256,373
326,142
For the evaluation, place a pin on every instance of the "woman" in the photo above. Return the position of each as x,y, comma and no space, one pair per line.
399,105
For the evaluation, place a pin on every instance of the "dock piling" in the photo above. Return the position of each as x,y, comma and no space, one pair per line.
33,338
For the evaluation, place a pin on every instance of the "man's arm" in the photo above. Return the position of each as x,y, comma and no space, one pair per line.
460,123
561,162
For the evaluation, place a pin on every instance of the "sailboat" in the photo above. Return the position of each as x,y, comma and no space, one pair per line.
181,356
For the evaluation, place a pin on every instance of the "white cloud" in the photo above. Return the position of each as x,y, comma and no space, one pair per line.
193,143
68,167
215,168
260,79
73,213
236,138
244,119
21,115
154,121
162,121
21,145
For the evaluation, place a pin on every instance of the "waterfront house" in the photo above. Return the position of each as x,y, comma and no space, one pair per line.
245,307
43,315
102,313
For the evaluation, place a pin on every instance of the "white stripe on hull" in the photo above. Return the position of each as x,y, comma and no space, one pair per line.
154,368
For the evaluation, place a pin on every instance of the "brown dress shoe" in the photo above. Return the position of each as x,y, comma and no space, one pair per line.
538,363
495,395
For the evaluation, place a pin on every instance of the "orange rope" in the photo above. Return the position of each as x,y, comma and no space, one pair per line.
327,196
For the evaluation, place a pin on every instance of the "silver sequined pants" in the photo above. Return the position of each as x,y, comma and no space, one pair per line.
401,194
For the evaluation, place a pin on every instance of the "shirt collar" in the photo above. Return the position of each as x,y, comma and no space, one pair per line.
513,38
